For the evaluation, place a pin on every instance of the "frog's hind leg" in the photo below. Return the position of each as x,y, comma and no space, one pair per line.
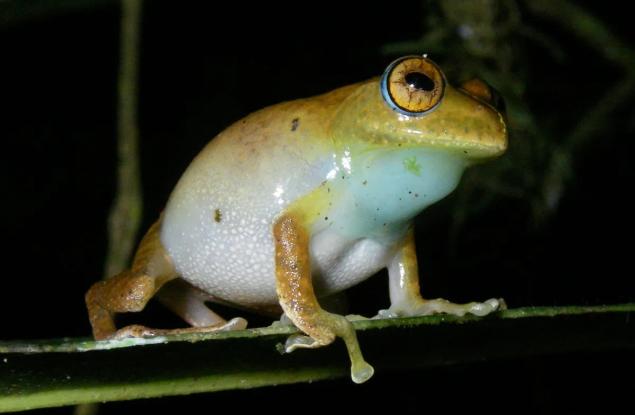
188,302
130,291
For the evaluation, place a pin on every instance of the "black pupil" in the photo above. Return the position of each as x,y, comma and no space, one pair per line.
419,81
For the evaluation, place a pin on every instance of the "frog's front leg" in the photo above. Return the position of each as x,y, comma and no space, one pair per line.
405,294
298,300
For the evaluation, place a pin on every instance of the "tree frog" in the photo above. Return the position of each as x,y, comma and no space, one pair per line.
299,201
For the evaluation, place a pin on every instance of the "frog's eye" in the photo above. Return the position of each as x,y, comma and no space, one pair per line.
412,85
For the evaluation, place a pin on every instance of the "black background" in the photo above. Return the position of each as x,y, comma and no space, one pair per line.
202,68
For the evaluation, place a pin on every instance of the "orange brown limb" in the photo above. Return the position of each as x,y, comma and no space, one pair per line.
299,302
132,289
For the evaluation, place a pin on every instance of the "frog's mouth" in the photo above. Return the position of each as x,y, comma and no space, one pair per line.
468,125
472,149
495,145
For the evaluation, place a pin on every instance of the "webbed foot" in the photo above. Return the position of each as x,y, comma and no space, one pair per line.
361,371
440,305
137,330
340,326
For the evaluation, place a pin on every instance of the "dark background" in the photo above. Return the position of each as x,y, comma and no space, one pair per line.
203,67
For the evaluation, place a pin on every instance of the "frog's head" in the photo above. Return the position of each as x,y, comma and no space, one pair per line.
412,105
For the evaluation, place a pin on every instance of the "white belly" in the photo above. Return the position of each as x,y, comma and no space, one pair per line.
236,264
217,228
232,260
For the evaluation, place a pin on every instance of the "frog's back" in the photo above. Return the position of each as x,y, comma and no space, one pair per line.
218,220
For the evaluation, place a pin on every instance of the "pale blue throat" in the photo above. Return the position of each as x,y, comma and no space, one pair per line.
385,189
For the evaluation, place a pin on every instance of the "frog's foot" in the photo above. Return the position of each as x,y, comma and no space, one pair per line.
360,370
440,305
285,321
299,341
138,331
355,317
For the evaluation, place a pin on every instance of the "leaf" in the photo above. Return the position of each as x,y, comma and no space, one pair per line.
60,372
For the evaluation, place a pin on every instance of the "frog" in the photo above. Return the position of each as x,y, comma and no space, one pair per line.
289,207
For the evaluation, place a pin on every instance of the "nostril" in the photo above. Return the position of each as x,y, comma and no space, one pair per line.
481,90
478,89
497,101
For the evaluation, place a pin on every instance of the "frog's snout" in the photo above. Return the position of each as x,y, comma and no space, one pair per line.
484,92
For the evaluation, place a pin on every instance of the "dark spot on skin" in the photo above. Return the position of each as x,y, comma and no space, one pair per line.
342,176
326,218
364,182
465,151
294,124
416,194
399,145
328,190
399,198
384,223
409,192
377,209
218,216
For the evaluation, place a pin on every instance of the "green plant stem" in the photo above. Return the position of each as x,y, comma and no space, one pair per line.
70,371
125,216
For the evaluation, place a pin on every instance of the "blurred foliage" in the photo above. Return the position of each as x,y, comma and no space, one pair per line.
491,39
13,13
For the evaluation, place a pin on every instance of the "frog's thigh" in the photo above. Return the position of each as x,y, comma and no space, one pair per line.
133,288
298,300
405,294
